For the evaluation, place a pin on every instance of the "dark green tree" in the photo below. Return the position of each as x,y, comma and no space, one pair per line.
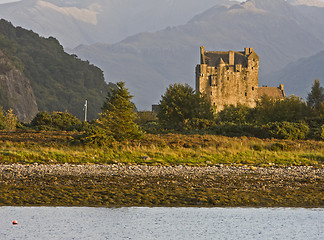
290,109
118,116
180,104
239,114
315,98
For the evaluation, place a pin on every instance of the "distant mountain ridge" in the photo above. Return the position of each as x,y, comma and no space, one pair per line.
75,22
298,77
279,32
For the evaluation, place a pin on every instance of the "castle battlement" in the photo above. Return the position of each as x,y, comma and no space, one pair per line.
229,78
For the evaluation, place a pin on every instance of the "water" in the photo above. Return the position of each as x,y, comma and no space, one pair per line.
160,223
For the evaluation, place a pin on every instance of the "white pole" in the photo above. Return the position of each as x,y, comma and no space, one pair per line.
85,110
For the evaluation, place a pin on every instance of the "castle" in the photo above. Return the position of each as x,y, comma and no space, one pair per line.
231,78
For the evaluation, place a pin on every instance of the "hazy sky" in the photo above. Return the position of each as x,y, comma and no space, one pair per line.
6,1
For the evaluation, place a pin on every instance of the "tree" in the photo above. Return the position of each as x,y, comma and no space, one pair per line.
239,114
118,116
8,120
179,104
315,98
290,109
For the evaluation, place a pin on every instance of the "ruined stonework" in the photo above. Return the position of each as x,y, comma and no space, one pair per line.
230,78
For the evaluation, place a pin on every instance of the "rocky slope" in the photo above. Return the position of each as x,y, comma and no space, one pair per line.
16,91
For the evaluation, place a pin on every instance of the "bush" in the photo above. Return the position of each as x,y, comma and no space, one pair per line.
286,130
239,114
144,117
56,121
236,130
8,120
94,136
280,147
197,124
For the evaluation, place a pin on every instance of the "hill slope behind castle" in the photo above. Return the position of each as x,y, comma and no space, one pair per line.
60,82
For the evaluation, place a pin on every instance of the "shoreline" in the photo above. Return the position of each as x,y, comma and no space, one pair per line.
121,185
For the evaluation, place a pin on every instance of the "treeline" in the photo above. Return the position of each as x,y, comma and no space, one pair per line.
182,110
61,82
115,123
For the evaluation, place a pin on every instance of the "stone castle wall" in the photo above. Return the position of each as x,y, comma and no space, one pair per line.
228,77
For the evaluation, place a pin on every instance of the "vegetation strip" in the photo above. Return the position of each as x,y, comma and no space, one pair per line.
140,185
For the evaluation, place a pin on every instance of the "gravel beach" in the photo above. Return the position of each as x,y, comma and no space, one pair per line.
120,184
19,171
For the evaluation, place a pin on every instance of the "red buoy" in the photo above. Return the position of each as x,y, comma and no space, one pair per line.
14,222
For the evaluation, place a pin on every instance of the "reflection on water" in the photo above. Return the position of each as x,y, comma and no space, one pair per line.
161,223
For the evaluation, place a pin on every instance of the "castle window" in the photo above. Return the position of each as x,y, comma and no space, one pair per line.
245,94
252,88
210,81
244,78
211,93
227,78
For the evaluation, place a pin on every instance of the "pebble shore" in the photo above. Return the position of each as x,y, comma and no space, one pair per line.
145,185
17,171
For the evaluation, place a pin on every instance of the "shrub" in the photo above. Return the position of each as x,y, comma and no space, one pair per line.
286,130
8,120
144,117
56,121
280,147
239,114
95,136
236,130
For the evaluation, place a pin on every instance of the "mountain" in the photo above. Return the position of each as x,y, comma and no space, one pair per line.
15,90
314,3
298,77
75,22
278,31
59,81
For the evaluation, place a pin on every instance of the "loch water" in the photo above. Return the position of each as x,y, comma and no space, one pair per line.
160,223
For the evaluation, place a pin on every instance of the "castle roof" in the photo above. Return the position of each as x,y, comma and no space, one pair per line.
214,58
277,93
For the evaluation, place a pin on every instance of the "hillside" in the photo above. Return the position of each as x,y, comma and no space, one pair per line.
298,77
60,82
278,31
15,89
77,22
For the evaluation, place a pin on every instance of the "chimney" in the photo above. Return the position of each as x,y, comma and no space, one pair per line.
202,55
281,87
248,51
231,58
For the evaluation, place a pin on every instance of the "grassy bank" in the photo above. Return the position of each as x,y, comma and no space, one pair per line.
234,189
169,149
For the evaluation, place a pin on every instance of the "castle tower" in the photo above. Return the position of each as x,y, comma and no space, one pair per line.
228,77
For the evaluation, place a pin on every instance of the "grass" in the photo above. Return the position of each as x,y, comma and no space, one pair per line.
169,149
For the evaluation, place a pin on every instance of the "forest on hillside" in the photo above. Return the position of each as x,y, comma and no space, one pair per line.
61,82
